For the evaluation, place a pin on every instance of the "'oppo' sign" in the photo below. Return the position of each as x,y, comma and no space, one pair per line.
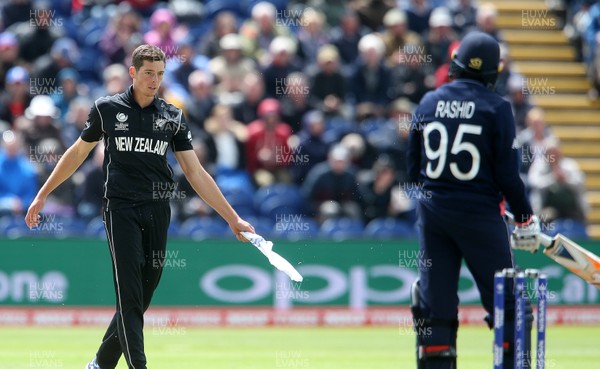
356,285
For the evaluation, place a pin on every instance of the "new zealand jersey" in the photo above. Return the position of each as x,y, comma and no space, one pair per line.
136,141
462,151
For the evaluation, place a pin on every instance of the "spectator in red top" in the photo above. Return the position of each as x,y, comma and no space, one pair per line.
267,150
16,97
441,73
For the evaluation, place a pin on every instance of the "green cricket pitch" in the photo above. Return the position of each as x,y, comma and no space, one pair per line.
568,347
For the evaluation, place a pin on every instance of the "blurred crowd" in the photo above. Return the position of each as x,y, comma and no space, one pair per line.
314,96
582,26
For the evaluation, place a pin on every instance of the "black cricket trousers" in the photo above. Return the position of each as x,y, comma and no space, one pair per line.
137,239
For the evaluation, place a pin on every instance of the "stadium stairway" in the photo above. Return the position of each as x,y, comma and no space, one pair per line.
542,53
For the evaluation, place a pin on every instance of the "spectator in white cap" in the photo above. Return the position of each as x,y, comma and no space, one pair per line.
259,31
15,97
311,35
41,122
397,35
282,52
486,21
440,36
202,100
231,66
328,88
115,79
370,81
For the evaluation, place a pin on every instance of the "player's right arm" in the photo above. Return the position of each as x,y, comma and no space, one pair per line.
66,166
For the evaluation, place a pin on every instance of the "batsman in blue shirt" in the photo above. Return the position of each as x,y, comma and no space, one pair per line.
462,155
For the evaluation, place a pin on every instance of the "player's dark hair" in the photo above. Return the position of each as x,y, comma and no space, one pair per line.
150,53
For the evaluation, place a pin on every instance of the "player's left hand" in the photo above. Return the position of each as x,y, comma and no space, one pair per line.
240,225
527,236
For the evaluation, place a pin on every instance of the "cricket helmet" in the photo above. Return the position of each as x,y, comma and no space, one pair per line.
478,58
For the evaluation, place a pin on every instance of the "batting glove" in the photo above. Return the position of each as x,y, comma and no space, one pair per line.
526,236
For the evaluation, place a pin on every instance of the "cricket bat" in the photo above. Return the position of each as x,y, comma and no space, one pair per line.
572,256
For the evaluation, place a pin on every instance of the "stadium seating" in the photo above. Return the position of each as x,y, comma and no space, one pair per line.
341,229
95,228
12,228
278,201
295,229
203,228
389,228
569,228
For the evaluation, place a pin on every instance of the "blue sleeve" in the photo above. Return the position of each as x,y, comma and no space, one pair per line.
506,164
413,155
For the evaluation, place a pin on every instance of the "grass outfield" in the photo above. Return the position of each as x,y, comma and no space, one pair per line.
278,348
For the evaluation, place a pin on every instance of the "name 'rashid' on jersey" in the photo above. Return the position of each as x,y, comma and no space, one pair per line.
141,144
454,109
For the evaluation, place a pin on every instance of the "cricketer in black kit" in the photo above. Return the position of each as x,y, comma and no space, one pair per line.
137,128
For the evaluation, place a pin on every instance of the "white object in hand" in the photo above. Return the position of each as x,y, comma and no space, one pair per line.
266,247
